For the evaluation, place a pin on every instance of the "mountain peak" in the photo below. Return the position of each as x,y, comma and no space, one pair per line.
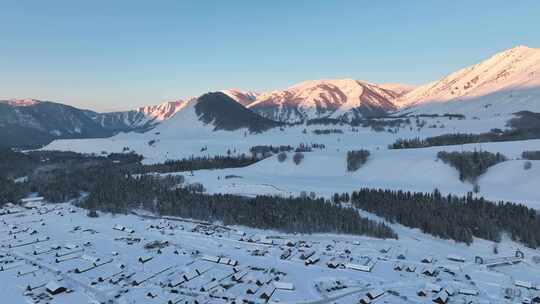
242,97
162,111
517,51
326,98
501,84
520,47
21,102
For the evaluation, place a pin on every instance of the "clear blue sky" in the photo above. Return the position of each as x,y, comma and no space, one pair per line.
117,54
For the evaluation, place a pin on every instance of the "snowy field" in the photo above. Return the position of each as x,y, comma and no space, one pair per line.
137,258
324,172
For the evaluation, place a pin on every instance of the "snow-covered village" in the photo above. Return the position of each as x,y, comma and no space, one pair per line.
247,152
56,254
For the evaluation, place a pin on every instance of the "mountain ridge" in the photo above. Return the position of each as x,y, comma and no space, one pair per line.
335,98
506,82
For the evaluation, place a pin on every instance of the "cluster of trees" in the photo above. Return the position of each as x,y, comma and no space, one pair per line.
379,125
318,146
110,185
326,121
525,120
453,217
531,155
327,131
526,125
58,176
298,157
448,115
471,164
62,176
16,164
303,214
118,193
11,191
198,163
451,139
269,149
302,147
338,198
355,159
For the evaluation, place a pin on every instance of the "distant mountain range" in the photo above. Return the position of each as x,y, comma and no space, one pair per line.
341,99
27,123
507,82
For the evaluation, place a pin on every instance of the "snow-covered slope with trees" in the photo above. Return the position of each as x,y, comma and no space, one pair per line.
325,173
337,98
507,82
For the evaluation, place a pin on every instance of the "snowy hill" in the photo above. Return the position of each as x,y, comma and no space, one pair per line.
507,82
341,98
201,117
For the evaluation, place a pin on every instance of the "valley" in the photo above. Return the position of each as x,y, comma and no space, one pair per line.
327,191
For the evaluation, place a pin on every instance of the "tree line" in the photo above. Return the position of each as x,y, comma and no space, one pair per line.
327,131
269,149
525,126
452,217
109,184
201,162
119,194
531,155
355,159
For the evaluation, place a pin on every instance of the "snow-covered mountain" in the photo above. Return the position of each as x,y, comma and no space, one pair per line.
31,122
242,97
22,102
337,98
214,111
505,83
140,119
28,123
398,88
162,111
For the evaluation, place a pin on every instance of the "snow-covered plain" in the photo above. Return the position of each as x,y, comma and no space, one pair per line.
48,244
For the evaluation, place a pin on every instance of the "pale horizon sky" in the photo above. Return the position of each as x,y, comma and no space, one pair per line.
117,55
